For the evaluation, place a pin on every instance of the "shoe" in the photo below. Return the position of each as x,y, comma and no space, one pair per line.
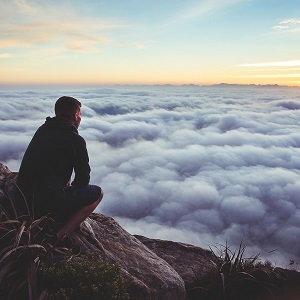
65,245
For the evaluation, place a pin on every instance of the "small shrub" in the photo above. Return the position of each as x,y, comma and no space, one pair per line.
87,279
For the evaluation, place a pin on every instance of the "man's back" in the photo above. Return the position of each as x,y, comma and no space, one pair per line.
55,150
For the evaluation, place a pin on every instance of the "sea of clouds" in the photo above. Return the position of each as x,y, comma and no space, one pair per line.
200,165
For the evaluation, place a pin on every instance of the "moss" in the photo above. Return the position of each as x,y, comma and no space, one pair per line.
86,279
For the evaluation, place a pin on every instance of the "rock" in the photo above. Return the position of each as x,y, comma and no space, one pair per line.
7,180
190,262
7,188
152,277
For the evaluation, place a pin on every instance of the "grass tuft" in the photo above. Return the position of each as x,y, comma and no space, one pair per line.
236,277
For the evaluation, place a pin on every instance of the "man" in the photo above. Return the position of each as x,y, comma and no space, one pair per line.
55,151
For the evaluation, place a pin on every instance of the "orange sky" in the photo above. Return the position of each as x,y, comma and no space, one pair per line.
176,42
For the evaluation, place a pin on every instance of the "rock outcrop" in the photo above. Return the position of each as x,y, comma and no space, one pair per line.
157,269
190,262
152,277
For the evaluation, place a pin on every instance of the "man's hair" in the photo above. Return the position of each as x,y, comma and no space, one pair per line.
66,107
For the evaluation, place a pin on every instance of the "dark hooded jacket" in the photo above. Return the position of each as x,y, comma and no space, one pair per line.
55,150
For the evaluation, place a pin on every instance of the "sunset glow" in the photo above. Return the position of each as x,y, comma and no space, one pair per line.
150,42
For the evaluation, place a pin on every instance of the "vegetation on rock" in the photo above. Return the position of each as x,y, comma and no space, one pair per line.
236,277
86,278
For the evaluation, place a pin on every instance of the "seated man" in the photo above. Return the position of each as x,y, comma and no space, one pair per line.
55,150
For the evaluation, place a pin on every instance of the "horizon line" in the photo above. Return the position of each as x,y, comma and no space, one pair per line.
222,84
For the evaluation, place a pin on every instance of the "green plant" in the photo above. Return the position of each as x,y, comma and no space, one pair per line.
244,277
24,243
236,277
84,279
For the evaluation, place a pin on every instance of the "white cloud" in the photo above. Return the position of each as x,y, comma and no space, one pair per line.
290,21
272,76
273,69
200,165
207,6
289,63
279,27
25,7
287,25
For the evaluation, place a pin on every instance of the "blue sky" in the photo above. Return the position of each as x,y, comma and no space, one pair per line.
150,42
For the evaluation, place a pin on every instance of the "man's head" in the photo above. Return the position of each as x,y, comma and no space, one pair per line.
68,108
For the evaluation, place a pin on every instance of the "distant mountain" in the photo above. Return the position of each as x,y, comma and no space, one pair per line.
246,85
226,85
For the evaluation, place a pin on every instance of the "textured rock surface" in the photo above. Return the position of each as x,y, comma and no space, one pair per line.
7,180
190,262
7,187
153,278
158,269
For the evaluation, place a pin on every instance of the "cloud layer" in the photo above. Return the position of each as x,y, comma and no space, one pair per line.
202,165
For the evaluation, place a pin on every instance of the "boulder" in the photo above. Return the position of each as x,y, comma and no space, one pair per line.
151,276
192,263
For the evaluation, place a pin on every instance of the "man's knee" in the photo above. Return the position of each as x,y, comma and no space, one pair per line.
101,196
95,204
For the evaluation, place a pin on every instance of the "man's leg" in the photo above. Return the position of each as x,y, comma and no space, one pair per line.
77,218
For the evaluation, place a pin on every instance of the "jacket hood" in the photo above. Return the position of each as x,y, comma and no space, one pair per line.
57,123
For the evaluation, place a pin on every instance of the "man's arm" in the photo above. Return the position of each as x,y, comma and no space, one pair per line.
81,163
